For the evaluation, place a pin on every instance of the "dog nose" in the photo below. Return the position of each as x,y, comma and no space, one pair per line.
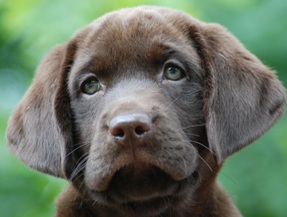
132,126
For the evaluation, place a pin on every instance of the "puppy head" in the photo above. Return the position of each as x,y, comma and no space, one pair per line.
146,93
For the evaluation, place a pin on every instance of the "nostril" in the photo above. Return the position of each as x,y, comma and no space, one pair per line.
118,132
142,129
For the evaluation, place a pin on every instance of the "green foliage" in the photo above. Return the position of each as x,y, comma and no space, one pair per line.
256,177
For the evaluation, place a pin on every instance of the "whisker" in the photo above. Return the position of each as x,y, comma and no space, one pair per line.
189,127
83,157
82,182
95,201
193,126
205,163
199,143
172,102
192,134
183,159
228,177
75,149
204,146
79,168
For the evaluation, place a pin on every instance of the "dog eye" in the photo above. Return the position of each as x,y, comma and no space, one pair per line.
90,86
173,73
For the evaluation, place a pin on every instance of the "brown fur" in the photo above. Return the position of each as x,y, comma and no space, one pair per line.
144,144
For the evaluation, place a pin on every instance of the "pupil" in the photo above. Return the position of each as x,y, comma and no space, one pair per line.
173,70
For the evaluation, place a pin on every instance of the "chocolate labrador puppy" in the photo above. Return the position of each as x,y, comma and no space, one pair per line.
139,110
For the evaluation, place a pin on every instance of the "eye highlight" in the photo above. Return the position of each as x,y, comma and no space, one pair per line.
173,73
90,86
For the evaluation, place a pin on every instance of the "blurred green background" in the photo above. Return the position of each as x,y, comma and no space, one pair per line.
256,177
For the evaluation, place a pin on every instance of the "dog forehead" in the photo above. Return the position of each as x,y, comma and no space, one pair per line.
134,29
132,40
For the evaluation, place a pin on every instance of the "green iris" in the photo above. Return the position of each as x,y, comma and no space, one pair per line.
91,86
173,73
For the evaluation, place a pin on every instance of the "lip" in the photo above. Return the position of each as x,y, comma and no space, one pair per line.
171,197
149,186
100,177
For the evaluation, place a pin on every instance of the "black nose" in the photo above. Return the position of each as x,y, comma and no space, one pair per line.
132,126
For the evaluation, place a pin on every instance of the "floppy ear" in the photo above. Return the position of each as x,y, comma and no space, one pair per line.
40,128
242,98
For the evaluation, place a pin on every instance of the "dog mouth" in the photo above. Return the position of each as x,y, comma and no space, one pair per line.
143,188
141,182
